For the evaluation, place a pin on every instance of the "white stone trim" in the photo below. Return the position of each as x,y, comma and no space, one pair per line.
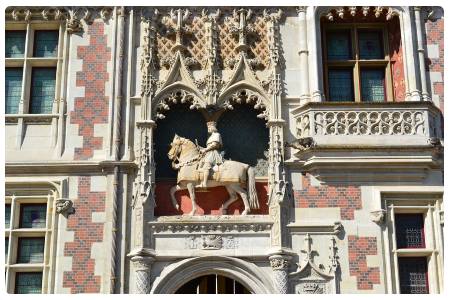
248,274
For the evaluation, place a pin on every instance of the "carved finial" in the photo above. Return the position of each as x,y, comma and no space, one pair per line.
340,12
333,255
330,16
378,11
365,10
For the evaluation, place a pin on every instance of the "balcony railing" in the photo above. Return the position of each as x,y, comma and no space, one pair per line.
369,124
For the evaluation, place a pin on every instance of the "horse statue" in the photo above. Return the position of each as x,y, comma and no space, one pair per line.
233,175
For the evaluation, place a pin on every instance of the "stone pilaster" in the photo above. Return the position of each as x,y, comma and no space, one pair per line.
280,266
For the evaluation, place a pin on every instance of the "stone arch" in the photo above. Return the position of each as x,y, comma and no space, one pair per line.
244,92
173,94
248,274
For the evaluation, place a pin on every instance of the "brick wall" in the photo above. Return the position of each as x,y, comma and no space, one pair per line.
346,197
93,107
82,279
358,249
434,31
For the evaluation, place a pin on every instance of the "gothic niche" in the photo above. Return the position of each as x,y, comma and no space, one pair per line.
245,139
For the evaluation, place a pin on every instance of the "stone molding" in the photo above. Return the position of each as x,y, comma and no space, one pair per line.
211,224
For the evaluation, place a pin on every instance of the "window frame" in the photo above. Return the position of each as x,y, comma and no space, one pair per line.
28,62
22,195
430,206
356,64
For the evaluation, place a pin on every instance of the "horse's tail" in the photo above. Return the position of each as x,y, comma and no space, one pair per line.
251,189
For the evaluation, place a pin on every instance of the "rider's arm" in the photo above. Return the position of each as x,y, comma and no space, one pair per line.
211,146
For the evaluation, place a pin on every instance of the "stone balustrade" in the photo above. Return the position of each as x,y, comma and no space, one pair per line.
368,124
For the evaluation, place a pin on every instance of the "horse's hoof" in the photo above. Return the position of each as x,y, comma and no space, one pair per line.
223,211
177,207
245,212
192,212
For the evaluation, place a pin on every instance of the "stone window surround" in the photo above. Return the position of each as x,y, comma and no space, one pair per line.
424,201
356,63
28,62
413,89
32,191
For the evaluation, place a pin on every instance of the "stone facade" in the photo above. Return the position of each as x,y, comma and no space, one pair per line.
335,173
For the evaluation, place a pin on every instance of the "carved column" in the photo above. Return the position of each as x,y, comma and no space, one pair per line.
280,266
421,53
142,266
303,53
143,201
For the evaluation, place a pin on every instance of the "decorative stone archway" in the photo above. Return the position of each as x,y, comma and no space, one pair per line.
177,274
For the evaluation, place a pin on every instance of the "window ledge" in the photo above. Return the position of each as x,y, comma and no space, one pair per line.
30,118
414,252
31,231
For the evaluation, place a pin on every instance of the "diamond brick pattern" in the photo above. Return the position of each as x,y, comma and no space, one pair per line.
346,197
93,107
81,279
358,249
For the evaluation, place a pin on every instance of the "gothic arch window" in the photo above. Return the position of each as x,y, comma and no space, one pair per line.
178,120
245,137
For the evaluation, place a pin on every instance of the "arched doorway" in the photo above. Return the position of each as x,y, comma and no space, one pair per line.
213,284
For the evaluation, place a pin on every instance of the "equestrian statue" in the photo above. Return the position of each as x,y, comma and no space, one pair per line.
201,168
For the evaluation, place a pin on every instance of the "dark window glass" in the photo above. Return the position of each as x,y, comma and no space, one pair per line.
339,45
370,44
13,89
372,85
409,231
31,250
45,43
15,43
245,137
42,90
28,283
33,215
179,120
6,249
340,84
413,275
7,215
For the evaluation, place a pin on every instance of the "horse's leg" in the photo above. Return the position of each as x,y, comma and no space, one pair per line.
243,194
191,189
173,190
233,197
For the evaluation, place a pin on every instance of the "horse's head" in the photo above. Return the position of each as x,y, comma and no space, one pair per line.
181,147
175,147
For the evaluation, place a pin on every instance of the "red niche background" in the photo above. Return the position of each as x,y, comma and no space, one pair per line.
208,203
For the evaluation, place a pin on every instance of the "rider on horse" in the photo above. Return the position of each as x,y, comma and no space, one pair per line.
210,154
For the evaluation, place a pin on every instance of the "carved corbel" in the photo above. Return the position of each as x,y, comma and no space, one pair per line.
64,207
337,228
73,24
302,144
377,216
106,13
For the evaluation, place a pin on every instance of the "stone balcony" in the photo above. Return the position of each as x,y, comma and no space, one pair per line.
367,136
